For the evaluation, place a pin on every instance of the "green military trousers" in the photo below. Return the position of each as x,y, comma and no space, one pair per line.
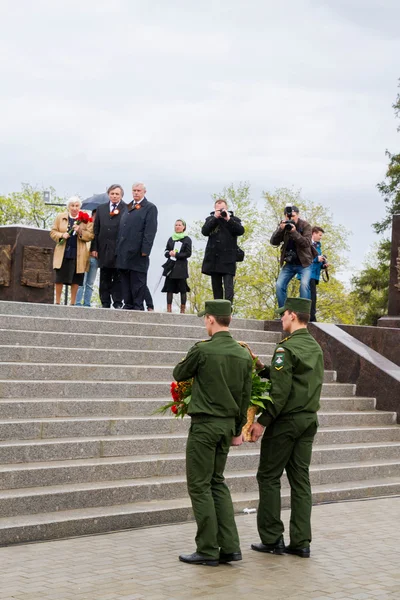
286,444
206,453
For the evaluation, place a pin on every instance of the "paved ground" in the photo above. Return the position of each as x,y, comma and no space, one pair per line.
355,555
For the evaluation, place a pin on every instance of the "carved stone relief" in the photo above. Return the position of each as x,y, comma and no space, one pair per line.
37,268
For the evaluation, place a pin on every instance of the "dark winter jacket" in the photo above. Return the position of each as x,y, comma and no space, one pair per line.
302,237
180,267
105,234
136,235
220,253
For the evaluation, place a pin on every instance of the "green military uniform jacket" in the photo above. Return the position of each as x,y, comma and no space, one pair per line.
296,374
222,379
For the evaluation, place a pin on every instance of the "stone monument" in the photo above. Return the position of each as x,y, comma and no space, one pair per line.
393,317
26,264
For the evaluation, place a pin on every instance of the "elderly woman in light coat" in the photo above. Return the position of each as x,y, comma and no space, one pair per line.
71,257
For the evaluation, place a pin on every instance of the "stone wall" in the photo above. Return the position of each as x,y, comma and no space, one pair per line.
384,340
26,264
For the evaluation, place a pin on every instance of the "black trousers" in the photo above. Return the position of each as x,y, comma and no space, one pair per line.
134,285
313,290
218,291
148,299
110,288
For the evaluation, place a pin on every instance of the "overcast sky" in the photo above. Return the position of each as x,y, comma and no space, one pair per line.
191,96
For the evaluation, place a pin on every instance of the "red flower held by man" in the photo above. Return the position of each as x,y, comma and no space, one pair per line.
180,393
174,391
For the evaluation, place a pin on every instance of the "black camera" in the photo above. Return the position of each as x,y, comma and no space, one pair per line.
290,257
324,267
288,211
289,214
223,214
288,225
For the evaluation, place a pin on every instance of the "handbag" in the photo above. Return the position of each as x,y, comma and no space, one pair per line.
239,254
167,267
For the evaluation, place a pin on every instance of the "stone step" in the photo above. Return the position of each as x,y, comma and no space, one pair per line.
77,356
89,521
120,328
13,337
111,372
117,389
16,408
328,459
45,450
80,447
23,429
78,496
99,314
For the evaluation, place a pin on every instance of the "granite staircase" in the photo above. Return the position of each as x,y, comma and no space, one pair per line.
81,452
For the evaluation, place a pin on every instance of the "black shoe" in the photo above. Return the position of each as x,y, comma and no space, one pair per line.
105,306
199,559
229,557
277,548
302,552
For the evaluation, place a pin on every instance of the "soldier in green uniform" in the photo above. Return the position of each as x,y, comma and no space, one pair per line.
220,397
290,423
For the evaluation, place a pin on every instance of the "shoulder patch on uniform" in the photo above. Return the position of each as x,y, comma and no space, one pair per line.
278,362
280,349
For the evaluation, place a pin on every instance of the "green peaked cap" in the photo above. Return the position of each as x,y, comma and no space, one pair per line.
217,308
297,305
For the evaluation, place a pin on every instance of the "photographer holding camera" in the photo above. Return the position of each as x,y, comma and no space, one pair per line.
222,229
297,253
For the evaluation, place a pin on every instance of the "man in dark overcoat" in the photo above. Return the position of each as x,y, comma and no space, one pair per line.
222,229
136,235
106,228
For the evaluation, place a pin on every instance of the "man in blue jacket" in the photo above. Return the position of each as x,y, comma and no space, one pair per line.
319,263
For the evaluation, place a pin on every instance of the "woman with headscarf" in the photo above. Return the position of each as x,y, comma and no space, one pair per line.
71,254
178,250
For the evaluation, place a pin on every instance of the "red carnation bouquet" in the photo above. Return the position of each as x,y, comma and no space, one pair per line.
181,392
81,218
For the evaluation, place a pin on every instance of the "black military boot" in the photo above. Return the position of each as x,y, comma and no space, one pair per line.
199,559
277,548
227,557
302,552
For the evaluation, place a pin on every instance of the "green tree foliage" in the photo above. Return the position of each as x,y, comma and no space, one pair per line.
256,277
370,287
27,207
390,190
390,187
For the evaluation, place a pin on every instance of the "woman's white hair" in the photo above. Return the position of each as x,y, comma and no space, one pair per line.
74,199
